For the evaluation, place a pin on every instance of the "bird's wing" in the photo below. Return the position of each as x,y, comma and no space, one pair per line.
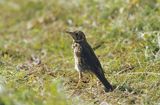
90,58
94,65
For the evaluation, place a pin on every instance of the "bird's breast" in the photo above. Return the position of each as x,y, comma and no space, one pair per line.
77,56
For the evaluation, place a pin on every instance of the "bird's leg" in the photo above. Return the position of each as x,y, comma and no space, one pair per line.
98,84
80,79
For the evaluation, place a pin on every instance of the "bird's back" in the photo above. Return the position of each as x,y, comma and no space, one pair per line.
89,58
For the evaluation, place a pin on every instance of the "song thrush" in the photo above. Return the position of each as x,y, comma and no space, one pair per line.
86,60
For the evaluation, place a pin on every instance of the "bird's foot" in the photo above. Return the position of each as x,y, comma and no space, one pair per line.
78,84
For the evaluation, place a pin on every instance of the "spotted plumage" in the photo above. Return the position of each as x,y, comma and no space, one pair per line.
86,60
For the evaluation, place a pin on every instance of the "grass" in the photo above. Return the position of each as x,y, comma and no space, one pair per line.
36,61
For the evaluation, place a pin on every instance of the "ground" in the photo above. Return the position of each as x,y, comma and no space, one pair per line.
36,59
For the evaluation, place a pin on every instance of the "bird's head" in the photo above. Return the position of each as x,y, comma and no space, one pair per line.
78,36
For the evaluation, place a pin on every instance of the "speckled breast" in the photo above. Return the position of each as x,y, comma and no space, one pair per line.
79,63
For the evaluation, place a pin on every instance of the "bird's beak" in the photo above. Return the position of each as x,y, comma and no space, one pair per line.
71,33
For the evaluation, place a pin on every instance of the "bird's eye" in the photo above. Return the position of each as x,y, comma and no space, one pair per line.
77,34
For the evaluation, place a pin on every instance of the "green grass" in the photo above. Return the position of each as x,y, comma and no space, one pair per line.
124,33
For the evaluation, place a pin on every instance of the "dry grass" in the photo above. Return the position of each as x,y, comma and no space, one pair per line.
36,61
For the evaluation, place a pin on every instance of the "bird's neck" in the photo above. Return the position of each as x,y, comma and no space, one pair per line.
80,41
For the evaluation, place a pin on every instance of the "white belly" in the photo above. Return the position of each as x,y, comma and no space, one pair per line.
76,61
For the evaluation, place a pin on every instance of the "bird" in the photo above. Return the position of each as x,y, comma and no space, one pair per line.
86,59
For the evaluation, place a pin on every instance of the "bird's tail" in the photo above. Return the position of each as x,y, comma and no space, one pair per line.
101,77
